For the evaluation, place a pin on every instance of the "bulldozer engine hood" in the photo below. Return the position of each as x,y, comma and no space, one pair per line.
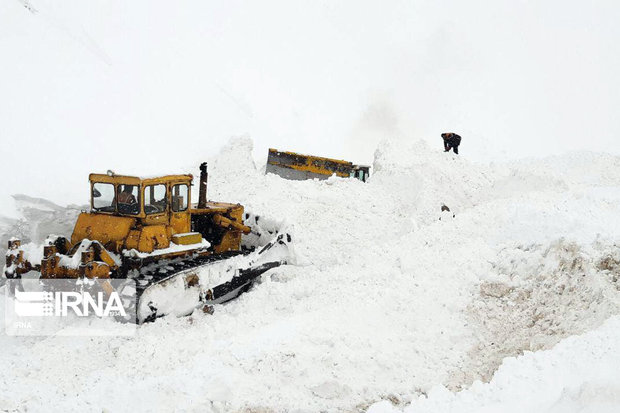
101,227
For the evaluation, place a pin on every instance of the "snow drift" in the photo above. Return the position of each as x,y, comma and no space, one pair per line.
578,375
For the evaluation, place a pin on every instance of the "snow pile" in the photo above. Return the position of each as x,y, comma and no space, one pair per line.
422,179
579,375
584,168
389,298
39,218
540,295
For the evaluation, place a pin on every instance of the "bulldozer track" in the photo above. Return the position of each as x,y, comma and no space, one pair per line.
155,273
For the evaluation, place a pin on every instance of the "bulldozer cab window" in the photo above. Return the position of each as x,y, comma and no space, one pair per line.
103,197
127,199
155,199
180,197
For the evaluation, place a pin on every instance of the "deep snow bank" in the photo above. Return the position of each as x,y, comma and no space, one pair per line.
38,219
386,301
578,375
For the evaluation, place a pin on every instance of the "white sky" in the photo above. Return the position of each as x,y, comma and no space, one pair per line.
155,86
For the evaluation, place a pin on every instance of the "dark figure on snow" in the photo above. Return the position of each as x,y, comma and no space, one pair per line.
444,208
451,141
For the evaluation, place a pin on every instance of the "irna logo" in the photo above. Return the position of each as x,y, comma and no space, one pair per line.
62,303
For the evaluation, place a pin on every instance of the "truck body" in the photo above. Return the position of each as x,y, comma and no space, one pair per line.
297,167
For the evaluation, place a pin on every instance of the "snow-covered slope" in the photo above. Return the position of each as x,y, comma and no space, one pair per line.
579,375
390,296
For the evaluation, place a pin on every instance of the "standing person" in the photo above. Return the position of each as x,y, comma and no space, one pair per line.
451,141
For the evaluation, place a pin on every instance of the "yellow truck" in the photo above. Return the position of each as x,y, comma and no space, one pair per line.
295,166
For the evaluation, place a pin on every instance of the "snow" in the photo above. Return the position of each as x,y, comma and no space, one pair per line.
33,252
386,303
75,260
172,248
173,296
38,219
578,375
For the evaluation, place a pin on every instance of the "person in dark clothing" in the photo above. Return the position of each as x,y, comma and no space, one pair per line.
125,196
451,141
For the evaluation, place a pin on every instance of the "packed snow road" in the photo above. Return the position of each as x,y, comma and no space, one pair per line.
390,296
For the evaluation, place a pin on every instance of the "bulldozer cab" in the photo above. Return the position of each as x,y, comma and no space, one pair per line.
360,172
161,200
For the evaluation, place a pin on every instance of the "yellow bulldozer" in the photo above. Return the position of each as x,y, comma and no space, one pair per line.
146,229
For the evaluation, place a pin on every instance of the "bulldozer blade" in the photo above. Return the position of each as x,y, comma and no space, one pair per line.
231,289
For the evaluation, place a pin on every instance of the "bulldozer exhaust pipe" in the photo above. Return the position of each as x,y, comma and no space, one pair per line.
202,190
